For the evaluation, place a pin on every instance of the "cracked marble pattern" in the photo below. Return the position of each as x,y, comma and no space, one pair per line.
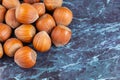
92,54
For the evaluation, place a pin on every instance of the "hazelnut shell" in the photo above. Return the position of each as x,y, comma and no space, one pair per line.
1,51
31,1
5,32
25,32
63,16
25,57
42,41
40,8
61,35
26,13
52,4
45,23
10,18
11,46
10,3
2,13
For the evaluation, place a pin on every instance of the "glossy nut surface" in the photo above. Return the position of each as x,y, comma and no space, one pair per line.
63,16
31,1
40,8
5,32
11,46
42,41
10,18
25,57
61,35
25,32
1,51
52,4
45,23
26,13
2,13
10,3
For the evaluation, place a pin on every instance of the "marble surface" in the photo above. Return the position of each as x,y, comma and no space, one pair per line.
92,54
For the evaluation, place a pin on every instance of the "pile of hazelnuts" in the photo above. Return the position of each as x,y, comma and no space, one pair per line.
32,21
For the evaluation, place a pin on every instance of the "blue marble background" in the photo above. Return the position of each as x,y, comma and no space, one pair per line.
92,54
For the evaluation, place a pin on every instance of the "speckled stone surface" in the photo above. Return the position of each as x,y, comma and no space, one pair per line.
92,54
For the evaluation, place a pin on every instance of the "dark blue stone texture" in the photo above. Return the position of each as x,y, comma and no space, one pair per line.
93,53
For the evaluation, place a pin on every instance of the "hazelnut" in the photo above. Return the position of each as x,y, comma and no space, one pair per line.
11,19
25,57
11,46
60,35
52,4
26,13
1,51
31,1
45,23
42,41
2,13
25,32
10,3
63,16
5,32
40,8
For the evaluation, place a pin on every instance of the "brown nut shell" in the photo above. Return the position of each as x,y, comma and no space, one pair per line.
40,8
1,51
52,4
26,13
25,32
63,16
5,32
2,13
11,46
10,18
25,57
10,3
42,41
61,35
31,1
45,23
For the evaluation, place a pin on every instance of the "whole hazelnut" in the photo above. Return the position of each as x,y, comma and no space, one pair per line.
26,13
40,8
25,57
10,18
31,1
10,3
61,35
63,16
1,51
42,41
25,32
45,23
11,46
52,4
2,13
5,32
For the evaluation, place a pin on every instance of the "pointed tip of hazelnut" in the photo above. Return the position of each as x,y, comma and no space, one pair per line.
52,4
26,13
42,41
63,16
25,57
14,45
61,35
25,32
64,27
